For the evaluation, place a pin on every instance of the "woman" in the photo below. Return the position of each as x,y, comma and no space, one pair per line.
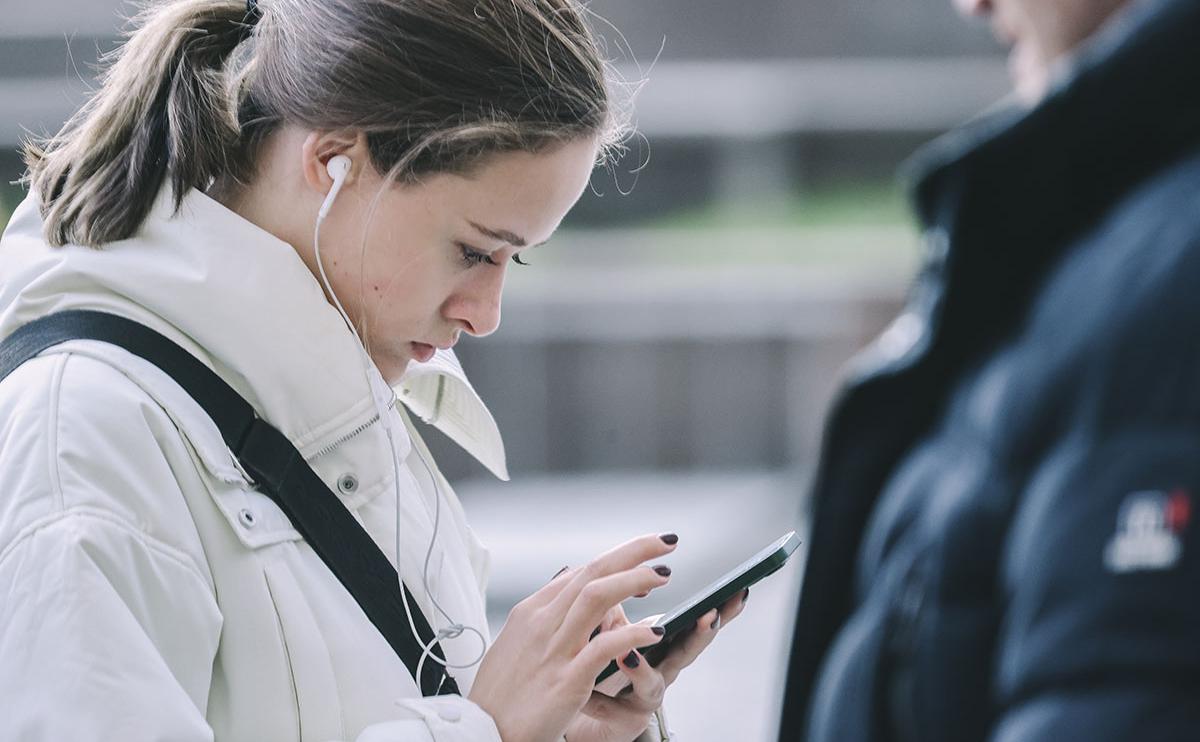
359,169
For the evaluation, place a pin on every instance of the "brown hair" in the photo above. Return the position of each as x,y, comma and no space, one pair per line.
436,86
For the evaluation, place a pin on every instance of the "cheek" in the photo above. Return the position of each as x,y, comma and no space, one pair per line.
410,283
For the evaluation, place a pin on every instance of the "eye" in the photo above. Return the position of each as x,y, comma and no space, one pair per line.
473,257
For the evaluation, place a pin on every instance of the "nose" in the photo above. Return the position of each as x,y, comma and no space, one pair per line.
973,7
475,306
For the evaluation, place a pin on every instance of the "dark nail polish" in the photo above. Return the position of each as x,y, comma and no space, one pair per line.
746,596
631,660
595,631
663,570
556,574
658,630
669,539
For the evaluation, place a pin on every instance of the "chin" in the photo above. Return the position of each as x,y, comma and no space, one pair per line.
1030,89
392,368
1029,73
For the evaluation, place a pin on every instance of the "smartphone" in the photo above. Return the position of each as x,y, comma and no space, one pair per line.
683,617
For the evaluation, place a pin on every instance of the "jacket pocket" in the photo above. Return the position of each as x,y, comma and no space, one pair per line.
252,516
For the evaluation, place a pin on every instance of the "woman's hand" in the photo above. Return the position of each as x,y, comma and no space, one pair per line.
621,718
539,673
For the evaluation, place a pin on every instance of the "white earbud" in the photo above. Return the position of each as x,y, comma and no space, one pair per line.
338,168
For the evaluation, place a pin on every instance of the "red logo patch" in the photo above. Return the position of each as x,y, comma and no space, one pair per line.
1178,510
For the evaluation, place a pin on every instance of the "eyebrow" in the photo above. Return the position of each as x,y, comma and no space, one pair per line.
503,235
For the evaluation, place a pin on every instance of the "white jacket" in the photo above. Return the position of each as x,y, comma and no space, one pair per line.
147,592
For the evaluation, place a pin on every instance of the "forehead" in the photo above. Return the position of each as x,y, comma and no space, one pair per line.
522,193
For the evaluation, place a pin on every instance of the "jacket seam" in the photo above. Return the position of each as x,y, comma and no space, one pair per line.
287,653
324,644
177,417
88,512
198,466
52,424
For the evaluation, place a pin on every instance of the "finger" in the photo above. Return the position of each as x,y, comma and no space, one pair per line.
615,618
684,652
616,643
599,597
619,559
734,606
552,587
601,706
647,685
651,620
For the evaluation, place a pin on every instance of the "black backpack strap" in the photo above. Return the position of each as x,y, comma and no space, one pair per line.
278,470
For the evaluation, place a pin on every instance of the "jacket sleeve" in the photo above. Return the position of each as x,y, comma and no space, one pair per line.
1101,640
106,634
109,635
108,627
435,719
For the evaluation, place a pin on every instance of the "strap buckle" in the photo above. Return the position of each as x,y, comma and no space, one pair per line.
237,463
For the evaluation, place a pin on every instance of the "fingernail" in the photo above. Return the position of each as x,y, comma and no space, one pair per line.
556,574
669,539
663,570
658,630
595,631
746,596
716,624
631,660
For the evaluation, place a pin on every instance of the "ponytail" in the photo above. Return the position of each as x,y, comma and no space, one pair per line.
164,107
437,86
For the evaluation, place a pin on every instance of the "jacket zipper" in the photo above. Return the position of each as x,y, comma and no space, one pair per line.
360,429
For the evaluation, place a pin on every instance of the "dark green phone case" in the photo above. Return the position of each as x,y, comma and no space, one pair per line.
683,617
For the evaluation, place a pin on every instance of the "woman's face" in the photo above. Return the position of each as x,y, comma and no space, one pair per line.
436,253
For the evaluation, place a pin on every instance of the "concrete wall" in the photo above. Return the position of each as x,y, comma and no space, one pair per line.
670,369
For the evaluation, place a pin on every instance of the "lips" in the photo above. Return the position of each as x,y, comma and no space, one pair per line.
422,352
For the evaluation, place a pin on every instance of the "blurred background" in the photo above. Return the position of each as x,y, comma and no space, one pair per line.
666,362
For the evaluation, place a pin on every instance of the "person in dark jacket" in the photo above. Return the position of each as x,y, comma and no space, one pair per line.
1004,541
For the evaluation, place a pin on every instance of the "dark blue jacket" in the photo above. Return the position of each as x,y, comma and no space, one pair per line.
1006,517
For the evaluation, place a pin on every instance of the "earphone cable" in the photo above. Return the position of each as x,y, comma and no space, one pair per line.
454,629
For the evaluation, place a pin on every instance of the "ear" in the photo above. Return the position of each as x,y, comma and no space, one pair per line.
319,147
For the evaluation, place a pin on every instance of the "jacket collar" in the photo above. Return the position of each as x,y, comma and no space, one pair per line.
1124,106
242,300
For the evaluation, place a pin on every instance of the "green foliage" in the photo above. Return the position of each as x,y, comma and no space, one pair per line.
846,205
862,226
